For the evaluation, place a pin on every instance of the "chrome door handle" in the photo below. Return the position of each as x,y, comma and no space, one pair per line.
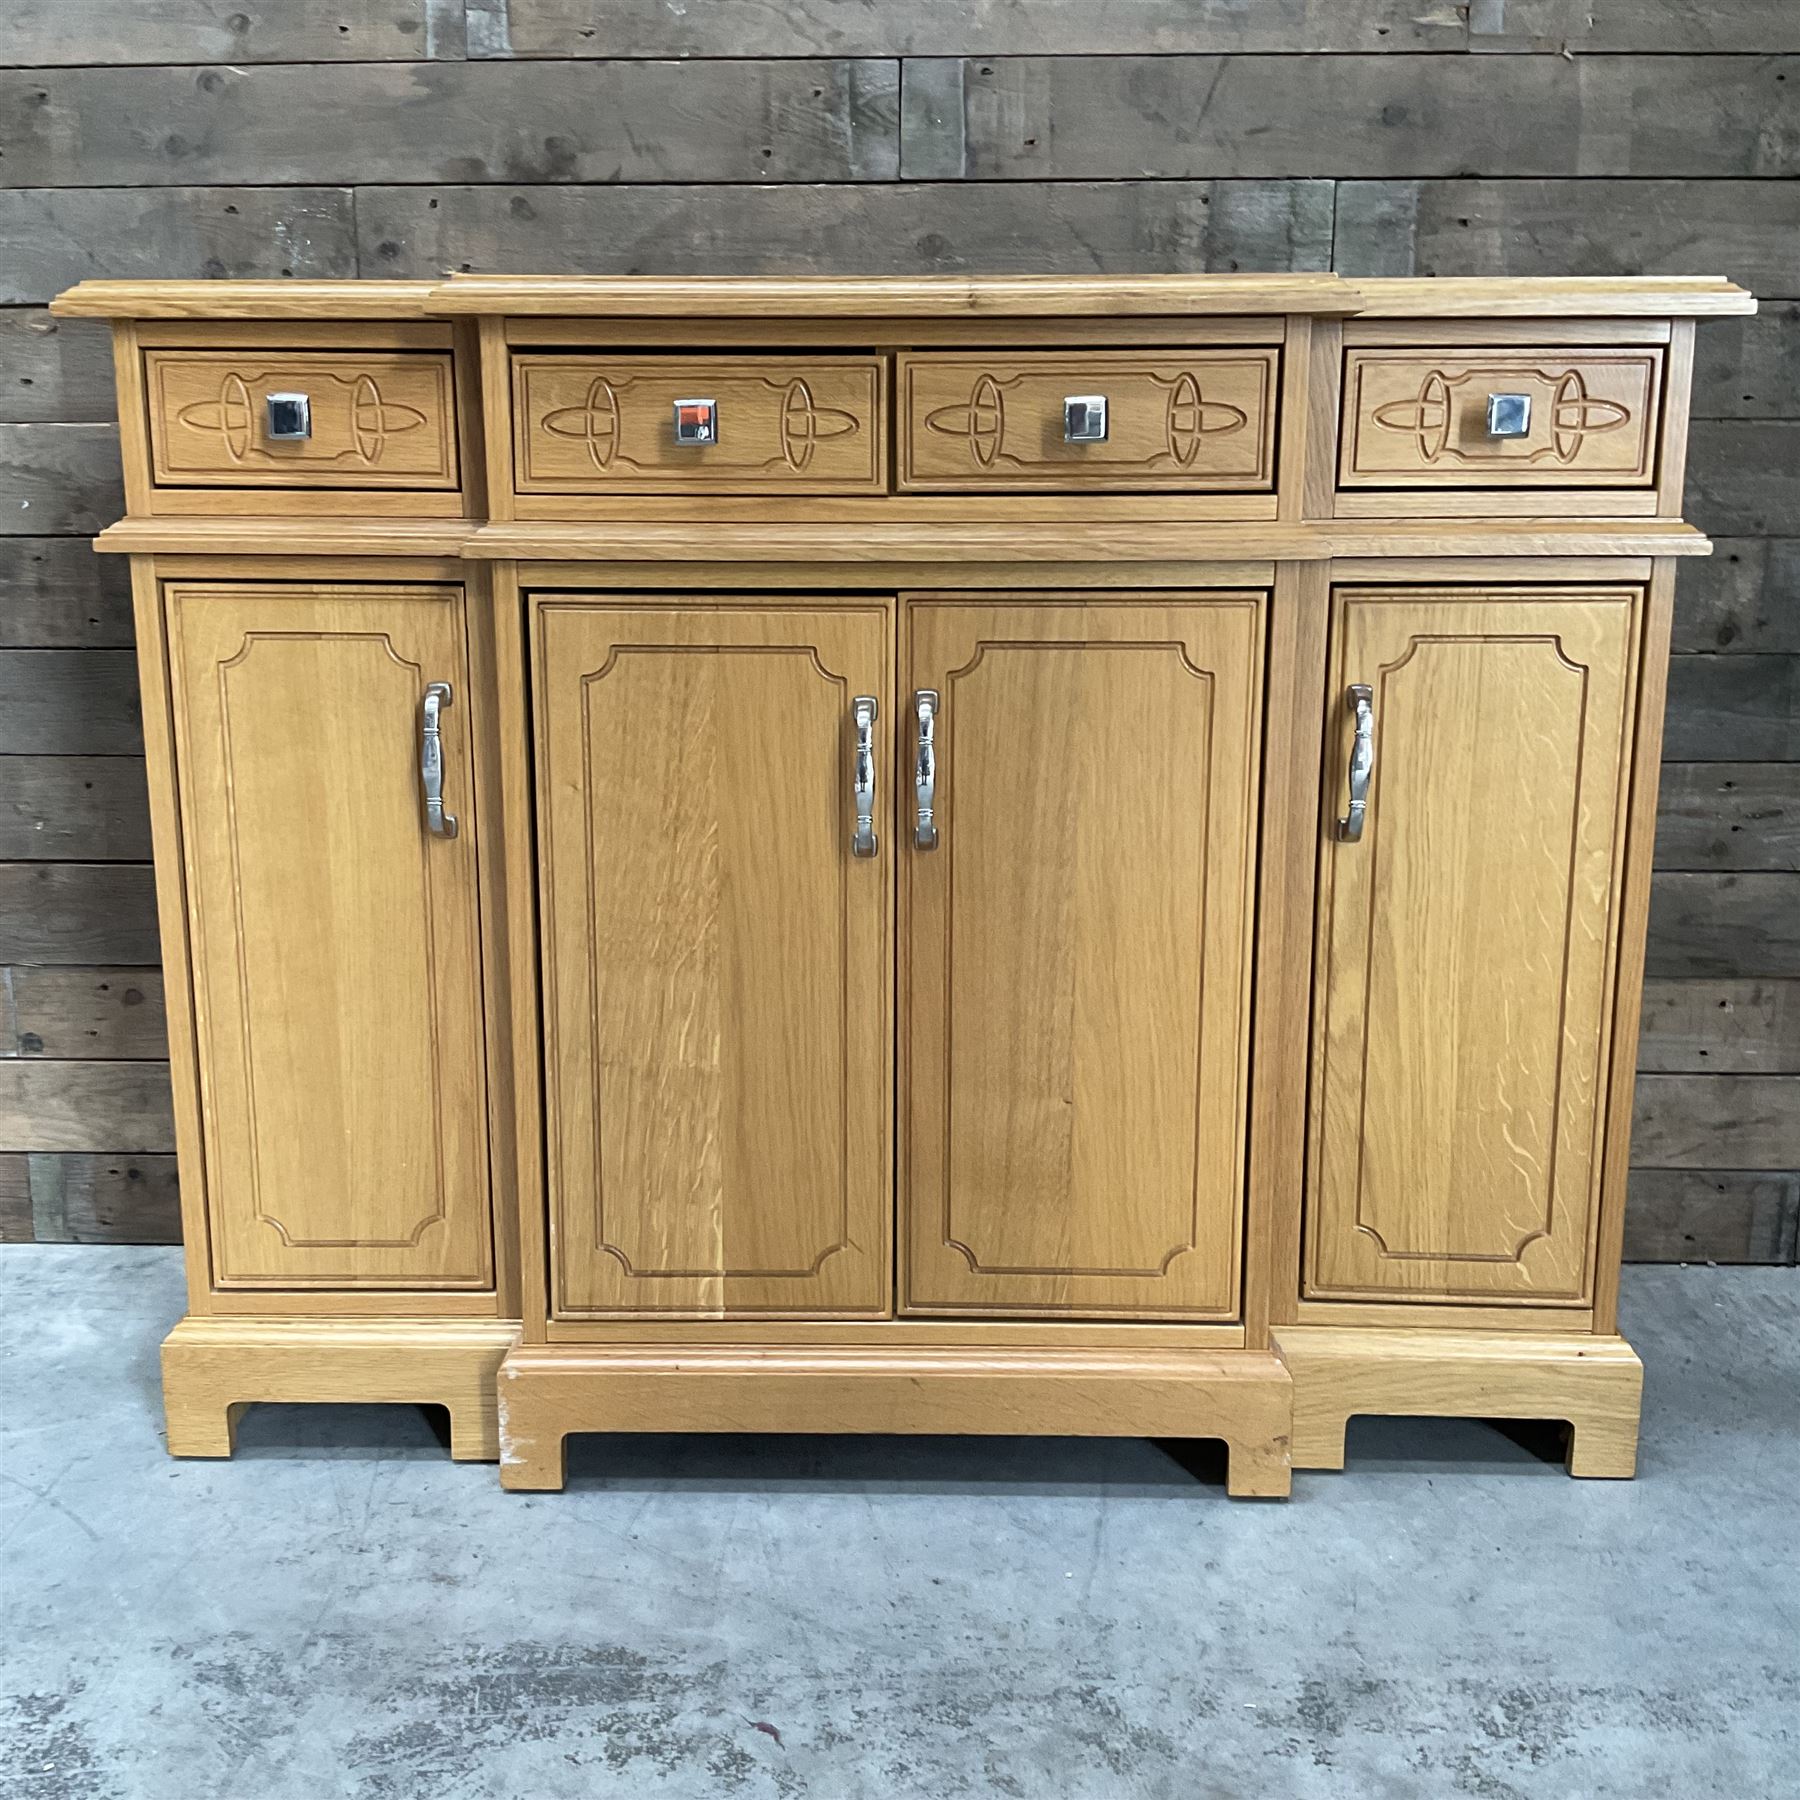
1360,700
864,710
438,694
925,832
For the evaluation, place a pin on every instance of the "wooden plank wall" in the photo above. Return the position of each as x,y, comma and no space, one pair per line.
407,137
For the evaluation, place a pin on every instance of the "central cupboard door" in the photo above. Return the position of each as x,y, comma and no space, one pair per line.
717,956
1077,956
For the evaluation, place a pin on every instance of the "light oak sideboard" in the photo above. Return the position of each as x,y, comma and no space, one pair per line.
953,855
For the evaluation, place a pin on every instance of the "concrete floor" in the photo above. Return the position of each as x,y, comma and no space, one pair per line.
343,1612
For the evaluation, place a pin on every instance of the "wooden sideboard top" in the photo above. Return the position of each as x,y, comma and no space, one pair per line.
930,296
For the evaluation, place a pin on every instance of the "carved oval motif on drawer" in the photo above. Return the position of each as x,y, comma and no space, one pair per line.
1198,420
1421,418
596,424
373,419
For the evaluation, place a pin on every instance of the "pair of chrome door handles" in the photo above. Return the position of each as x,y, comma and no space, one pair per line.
864,710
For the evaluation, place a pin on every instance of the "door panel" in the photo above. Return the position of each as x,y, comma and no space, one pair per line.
1077,957
717,964
1467,945
336,956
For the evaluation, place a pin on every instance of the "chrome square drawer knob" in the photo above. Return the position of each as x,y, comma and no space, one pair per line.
289,417
1084,419
696,421
1509,415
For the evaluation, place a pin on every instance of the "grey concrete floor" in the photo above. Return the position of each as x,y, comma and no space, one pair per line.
341,1611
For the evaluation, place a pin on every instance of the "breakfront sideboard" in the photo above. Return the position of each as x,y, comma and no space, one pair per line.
951,855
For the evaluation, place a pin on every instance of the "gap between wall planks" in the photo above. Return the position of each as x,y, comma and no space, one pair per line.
1608,136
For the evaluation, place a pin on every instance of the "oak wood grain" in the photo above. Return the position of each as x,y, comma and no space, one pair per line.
335,941
1456,1096
716,963
1077,957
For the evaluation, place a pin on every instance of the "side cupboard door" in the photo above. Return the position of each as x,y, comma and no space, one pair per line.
1468,936
334,933
1076,957
717,950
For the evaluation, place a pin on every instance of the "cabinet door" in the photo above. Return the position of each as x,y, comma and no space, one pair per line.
717,962
334,937
1467,944
1077,957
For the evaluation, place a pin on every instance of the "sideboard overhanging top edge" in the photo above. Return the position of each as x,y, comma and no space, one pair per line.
1000,296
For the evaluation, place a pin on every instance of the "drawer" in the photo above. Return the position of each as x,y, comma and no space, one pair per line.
783,424
377,419
1419,418
1201,421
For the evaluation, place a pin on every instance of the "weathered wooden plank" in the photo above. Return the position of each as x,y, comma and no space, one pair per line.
1733,709
55,593
86,914
1720,1028
1744,477
1725,925
1021,118
82,1015
1729,816
1744,597
70,703
1117,28
59,478
1749,368
15,1199
1747,230
54,371
43,33
106,1106
73,809
1093,227
1713,1122
519,122
82,1198
1711,1215
51,237
728,28
1598,25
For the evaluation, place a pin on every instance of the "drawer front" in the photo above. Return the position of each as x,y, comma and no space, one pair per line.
606,425
1202,421
1419,418
377,419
